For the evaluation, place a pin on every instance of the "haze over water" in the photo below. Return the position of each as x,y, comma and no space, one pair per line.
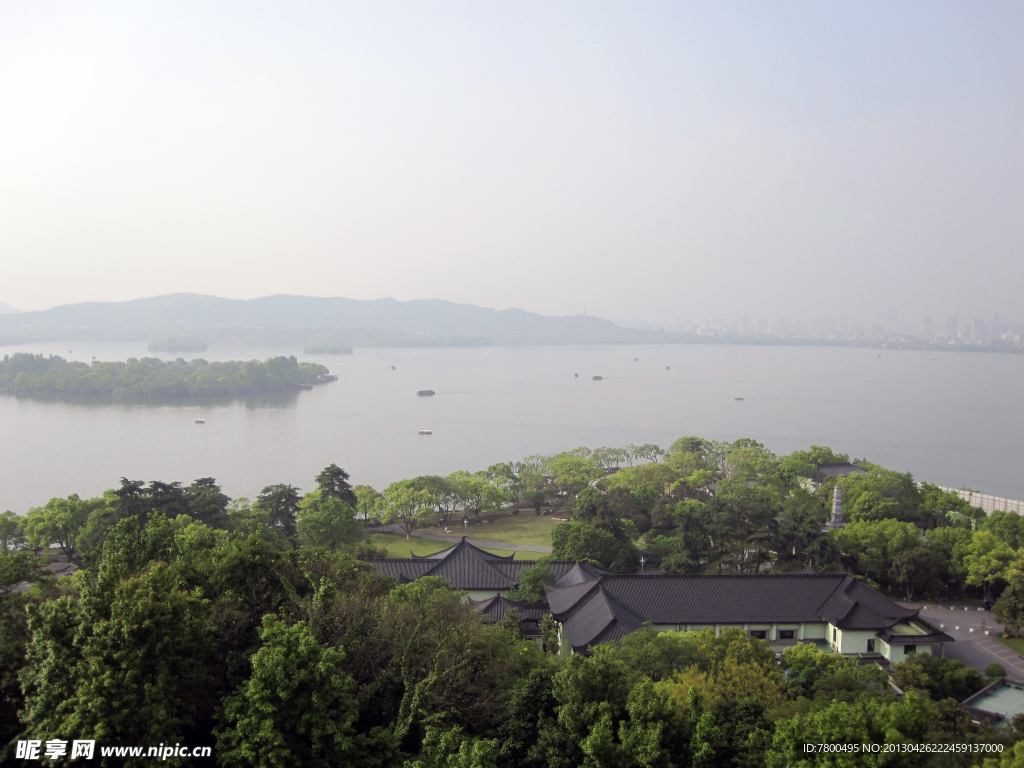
950,418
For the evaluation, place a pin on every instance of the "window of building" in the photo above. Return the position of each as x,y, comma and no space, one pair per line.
833,634
787,634
759,634
871,646
910,649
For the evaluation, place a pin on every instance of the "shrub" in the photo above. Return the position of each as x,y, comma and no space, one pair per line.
995,670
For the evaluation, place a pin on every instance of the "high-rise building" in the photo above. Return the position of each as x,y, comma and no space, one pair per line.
926,327
998,326
886,325
979,331
951,326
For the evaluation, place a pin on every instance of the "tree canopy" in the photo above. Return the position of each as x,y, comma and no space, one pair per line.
255,629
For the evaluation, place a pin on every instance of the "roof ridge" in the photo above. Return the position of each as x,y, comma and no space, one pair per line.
434,555
860,607
471,551
614,604
608,613
901,611
591,582
852,603
727,575
841,586
579,602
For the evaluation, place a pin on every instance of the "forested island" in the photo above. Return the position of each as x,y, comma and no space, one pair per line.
151,379
262,630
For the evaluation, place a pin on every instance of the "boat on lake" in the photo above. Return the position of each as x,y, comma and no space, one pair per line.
737,398
200,421
426,431
425,392
597,378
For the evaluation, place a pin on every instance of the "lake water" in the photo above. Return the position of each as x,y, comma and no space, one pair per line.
951,418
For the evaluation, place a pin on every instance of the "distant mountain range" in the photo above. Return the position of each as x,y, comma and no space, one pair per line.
188,321
310,320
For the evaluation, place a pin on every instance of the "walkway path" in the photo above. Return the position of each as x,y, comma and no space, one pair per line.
974,648
1012,661
455,539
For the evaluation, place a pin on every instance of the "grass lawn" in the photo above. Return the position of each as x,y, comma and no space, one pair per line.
1015,644
399,547
524,528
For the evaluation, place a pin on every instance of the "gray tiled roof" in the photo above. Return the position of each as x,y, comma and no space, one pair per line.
587,609
403,569
678,599
496,608
465,566
929,639
595,605
444,553
856,606
563,599
612,633
579,573
598,618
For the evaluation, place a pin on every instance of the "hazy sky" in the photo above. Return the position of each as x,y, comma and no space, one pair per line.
646,160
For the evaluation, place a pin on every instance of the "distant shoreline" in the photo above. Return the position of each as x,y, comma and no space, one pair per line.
1010,348
186,320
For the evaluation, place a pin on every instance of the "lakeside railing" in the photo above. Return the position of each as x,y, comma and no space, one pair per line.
988,503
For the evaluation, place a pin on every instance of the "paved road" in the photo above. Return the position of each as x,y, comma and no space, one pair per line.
973,647
454,539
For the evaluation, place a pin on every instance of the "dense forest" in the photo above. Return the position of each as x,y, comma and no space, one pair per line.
255,628
151,379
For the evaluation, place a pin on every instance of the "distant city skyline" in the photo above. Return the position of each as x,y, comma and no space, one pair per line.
888,324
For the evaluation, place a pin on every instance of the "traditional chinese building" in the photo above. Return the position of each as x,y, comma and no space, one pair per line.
592,606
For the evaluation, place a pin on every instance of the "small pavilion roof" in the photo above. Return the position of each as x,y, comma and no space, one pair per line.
464,566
